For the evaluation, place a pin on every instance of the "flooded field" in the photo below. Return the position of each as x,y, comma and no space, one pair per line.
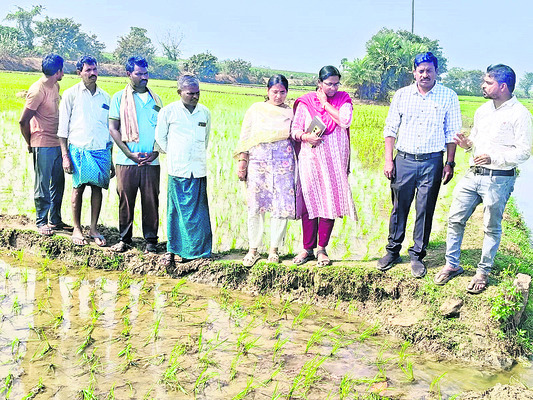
70,333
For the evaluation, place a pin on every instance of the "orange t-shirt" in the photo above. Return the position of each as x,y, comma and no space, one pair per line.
45,102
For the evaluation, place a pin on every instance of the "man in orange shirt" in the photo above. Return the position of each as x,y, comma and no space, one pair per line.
38,125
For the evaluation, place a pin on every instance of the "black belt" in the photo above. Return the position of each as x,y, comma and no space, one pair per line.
420,157
477,170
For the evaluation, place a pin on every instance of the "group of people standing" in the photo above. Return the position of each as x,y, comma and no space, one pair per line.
75,135
295,161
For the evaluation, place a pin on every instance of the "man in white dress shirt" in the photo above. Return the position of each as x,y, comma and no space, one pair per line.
500,140
86,145
183,132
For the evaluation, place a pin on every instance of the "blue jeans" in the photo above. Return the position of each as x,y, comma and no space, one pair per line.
49,184
493,192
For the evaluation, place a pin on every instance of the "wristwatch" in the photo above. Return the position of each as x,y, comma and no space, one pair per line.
450,163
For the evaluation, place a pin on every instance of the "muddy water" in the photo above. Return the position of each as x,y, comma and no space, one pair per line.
523,192
78,333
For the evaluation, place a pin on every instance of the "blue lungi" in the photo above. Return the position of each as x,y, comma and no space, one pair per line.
91,167
188,225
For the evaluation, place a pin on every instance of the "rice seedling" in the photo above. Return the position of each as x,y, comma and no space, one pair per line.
247,390
405,363
16,308
154,334
44,346
20,254
111,394
170,376
434,386
129,355
278,348
307,376
368,332
305,312
203,378
89,340
34,391
316,338
7,385
345,387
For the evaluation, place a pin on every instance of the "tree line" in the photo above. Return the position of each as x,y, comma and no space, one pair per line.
386,66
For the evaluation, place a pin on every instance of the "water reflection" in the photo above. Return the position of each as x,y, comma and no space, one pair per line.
114,336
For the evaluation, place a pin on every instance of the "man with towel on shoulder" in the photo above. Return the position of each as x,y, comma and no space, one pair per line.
132,121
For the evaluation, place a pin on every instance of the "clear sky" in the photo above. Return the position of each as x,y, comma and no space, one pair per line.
304,35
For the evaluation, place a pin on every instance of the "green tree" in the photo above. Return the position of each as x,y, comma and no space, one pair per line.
526,83
388,62
203,65
63,36
238,68
11,42
464,82
24,20
135,43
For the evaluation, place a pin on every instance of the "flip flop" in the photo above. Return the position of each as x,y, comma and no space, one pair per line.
99,240
45,230
447,273
303,257
273,258
481,280
250,259
167,259
79,241
323,263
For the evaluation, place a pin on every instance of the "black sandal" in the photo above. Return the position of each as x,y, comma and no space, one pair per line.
302,259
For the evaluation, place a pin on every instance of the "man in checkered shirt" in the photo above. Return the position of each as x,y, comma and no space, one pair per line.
422,122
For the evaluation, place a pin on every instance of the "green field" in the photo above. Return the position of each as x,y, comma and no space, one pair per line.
350,240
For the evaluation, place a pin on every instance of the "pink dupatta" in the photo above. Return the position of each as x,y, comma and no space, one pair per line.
315,108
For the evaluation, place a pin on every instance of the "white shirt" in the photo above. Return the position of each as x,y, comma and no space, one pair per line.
184,137
504,133
83,117
423,123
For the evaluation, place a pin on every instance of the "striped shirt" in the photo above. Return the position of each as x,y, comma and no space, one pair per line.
423,123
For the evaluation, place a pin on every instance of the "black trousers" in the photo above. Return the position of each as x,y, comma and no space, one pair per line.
130,180
421,180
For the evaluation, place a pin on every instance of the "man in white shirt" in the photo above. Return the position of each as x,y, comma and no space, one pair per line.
183,132
86,145
500,140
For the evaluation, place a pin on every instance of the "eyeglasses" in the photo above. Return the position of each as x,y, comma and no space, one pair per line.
329,84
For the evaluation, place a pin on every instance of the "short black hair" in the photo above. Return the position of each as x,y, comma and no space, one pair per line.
51,64
502,74
136,61
428,57
85,60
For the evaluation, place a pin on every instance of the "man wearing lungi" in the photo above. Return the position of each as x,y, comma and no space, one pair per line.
183,132
132,121
86,145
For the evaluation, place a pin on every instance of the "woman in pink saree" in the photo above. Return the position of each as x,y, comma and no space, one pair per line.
323,163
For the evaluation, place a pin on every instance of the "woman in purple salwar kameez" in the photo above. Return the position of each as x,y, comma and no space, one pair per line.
323,163
266,162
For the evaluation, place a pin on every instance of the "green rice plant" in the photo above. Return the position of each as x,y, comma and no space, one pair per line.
44,346
126,331
247,390
434,386
278,348
15,344
129,355
307,376
88,393
405,363
16,308
170,376
203,378
368,332
89,340
285,309
233,366
305,312
316,338
7,386
20,254
345,387
34,391
154,334
111,394
25,276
